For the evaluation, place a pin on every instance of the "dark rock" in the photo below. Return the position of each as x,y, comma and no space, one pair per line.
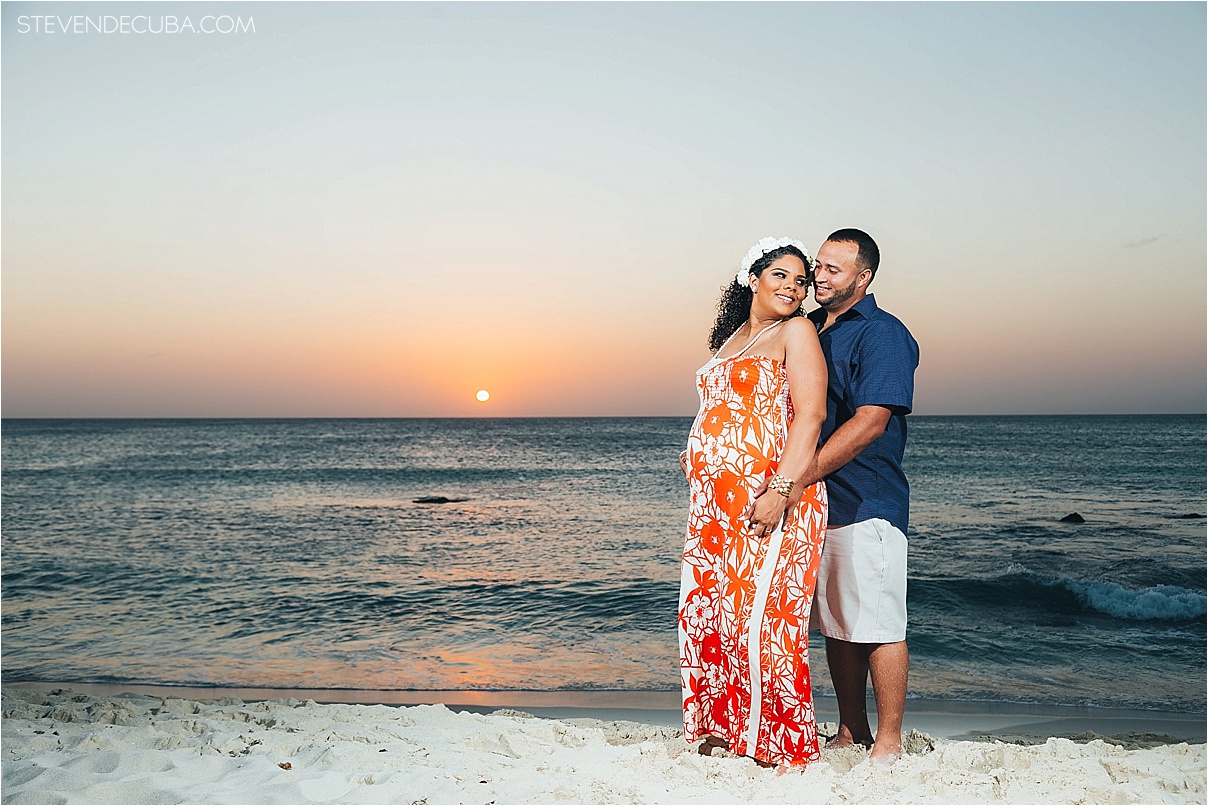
436,499
1073,517
1189,516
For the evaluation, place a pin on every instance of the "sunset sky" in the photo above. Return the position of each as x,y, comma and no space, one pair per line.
379,209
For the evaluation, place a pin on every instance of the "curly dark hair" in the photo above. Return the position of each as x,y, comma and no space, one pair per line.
734,307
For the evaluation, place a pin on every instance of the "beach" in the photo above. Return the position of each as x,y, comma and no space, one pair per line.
64,745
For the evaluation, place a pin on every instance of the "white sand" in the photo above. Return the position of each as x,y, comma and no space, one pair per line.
64,747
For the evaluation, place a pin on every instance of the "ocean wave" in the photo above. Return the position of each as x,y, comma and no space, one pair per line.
1020,587
1159,603
1155,603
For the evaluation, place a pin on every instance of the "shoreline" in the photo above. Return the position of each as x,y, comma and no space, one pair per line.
956,720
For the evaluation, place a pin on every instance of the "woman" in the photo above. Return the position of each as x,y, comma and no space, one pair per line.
748,574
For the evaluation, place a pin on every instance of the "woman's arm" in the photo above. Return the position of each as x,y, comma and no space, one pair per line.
806,369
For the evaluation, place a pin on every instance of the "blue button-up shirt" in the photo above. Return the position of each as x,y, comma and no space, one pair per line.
870,358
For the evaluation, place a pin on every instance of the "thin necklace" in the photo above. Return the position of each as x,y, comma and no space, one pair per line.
749,344
765,330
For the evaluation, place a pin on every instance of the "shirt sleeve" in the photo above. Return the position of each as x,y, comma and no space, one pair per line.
884,373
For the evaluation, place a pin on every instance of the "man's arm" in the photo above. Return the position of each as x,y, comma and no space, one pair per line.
848,442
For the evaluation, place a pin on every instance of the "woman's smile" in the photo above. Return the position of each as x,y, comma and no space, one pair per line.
782,286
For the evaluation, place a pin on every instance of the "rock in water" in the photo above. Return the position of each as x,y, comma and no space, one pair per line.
1190,516
431,499
1073,517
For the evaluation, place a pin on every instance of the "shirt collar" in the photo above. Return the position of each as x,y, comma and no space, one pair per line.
864,309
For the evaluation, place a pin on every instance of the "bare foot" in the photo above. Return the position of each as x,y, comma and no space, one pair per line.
710,742
844,738
884,754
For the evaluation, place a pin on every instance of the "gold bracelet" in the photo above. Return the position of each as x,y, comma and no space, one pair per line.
782,485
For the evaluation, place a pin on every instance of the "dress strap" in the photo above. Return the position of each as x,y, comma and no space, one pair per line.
750,344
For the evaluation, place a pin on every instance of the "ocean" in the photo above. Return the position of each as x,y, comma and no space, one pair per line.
293,554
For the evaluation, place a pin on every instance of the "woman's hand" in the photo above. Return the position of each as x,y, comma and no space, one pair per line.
798,491
767,512
684,462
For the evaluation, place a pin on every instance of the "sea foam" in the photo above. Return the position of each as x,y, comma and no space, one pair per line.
1161,602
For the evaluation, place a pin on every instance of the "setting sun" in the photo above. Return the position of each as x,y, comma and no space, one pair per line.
483,395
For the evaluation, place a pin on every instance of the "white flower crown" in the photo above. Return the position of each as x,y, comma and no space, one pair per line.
760,249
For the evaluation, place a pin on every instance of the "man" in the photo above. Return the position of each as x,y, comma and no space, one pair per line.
860,603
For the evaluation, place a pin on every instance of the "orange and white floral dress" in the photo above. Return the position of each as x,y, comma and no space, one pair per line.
745,601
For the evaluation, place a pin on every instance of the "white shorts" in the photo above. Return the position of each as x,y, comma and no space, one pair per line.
861,594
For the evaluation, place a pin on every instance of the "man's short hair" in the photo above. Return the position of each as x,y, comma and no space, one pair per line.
868,256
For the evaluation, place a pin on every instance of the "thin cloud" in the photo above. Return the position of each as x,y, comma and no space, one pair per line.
1146,241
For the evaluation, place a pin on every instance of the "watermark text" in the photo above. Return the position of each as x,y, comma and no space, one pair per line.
134,24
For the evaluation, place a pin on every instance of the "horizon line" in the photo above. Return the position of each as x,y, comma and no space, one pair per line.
559,416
